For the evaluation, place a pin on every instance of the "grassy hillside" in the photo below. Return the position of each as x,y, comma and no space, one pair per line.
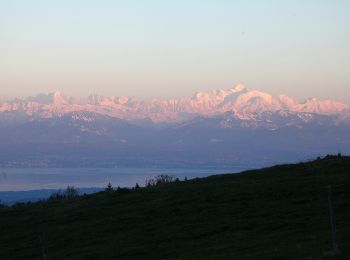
274,213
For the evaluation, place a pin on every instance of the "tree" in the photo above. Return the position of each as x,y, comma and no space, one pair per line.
71,192
160,179
57,195
109,187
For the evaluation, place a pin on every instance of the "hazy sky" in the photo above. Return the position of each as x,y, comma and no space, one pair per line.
174,48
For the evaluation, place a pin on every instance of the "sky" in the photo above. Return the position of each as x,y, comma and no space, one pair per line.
169,48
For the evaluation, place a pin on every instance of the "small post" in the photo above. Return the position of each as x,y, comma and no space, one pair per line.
44,247
332,220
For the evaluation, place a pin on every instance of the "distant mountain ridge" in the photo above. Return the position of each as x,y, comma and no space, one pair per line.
242,103
234,127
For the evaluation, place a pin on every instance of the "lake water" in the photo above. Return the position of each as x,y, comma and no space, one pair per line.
15,179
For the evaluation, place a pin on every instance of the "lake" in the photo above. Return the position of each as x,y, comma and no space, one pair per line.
19,179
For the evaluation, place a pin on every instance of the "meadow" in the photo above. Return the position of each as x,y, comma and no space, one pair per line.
281,212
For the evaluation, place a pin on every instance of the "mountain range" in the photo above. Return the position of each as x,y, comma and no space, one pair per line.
238,101
233,127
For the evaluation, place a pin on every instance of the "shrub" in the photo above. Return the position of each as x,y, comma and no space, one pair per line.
122,190
160,179
57,195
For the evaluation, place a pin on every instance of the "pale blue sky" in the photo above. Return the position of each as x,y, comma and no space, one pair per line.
174,48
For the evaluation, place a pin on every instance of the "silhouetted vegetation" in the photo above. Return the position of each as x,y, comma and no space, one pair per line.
331,156
122,190
69,193
109,187
160,179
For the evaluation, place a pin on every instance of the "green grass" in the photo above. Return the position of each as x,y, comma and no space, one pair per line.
274,213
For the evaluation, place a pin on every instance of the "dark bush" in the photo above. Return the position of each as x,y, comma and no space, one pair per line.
57,195
160,179
69,192
123,190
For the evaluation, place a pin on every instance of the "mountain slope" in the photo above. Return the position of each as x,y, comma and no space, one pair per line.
84,139
274,213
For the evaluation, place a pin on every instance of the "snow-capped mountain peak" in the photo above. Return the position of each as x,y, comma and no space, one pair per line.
59,99
239,100
238,88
